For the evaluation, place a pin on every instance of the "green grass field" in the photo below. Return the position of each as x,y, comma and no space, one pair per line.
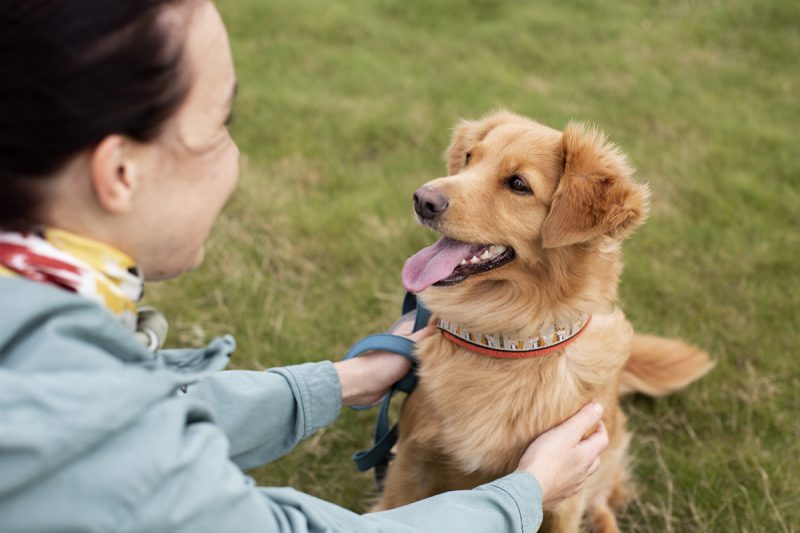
345,109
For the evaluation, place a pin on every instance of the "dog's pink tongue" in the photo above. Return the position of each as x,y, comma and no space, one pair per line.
434,263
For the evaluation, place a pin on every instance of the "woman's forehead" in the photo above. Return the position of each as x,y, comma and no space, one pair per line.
210,64
208,51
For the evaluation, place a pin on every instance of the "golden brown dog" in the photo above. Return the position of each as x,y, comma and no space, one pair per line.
532,220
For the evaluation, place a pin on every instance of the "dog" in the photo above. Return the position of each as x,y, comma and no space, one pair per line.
523,286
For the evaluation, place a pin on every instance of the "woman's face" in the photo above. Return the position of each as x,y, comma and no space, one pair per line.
188,173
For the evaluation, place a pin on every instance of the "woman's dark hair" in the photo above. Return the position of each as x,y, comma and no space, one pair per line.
73,72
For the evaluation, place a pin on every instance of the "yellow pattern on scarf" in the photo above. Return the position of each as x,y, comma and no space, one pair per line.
105,260
115,285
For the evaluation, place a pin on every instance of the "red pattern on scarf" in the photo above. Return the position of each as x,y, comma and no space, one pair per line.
38,267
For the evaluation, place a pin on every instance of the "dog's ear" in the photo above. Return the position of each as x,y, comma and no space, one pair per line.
465,135
468,133
596,195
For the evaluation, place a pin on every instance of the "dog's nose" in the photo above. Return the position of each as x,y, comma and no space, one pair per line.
428,202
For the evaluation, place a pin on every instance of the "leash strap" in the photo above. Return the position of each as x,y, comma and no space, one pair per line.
388,343
411,303
384,437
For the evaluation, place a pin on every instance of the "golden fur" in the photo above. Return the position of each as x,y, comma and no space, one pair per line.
471,416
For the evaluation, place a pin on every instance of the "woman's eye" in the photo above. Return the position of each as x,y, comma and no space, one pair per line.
518,185
467,158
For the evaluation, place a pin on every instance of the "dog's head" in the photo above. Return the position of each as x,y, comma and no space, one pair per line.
520,195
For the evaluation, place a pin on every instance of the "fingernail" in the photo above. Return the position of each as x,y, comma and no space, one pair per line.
598,408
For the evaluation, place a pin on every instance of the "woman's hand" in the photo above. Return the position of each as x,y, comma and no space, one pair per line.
561,459
367,378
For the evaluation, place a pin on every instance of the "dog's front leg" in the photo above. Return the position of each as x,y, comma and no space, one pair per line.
566,517
408,479
412,472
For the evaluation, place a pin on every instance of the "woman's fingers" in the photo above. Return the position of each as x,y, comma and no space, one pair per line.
561,459
404,325
581,423
424,332
594,467
596,442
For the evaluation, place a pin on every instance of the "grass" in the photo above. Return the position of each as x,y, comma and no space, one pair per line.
345,109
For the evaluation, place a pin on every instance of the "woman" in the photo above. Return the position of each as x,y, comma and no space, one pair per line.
113,146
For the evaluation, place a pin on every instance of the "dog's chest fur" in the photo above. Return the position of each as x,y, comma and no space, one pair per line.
482,412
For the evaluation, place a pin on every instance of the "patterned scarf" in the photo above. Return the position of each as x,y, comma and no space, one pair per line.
89,268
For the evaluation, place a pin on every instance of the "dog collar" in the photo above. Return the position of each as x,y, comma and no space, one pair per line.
550,338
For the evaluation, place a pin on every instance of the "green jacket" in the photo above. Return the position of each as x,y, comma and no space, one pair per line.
95,435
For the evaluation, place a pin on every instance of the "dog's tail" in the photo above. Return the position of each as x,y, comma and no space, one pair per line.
659,366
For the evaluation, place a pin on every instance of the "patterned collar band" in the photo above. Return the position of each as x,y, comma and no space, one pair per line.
550,338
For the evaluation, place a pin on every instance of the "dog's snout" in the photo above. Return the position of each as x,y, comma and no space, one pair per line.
429,202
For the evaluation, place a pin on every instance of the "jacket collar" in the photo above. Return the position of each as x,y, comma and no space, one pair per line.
75,324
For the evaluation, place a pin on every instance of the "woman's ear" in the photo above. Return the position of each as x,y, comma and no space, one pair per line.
596,195
114,174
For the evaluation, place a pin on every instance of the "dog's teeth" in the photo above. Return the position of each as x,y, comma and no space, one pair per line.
500,248
463,262
494,249
486,255
474,260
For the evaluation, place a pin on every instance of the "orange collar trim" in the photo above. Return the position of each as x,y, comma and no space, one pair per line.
506,347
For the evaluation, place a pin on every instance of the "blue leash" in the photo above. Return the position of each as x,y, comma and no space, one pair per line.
384,438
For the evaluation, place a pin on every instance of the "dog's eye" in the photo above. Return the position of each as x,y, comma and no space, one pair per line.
518,185
467,158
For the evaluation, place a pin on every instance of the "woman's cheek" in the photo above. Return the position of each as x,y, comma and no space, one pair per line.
228,175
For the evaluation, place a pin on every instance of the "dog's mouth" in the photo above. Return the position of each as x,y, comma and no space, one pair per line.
449,261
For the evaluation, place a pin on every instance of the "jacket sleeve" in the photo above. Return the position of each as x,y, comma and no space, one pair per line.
512,503
203,491
265,414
